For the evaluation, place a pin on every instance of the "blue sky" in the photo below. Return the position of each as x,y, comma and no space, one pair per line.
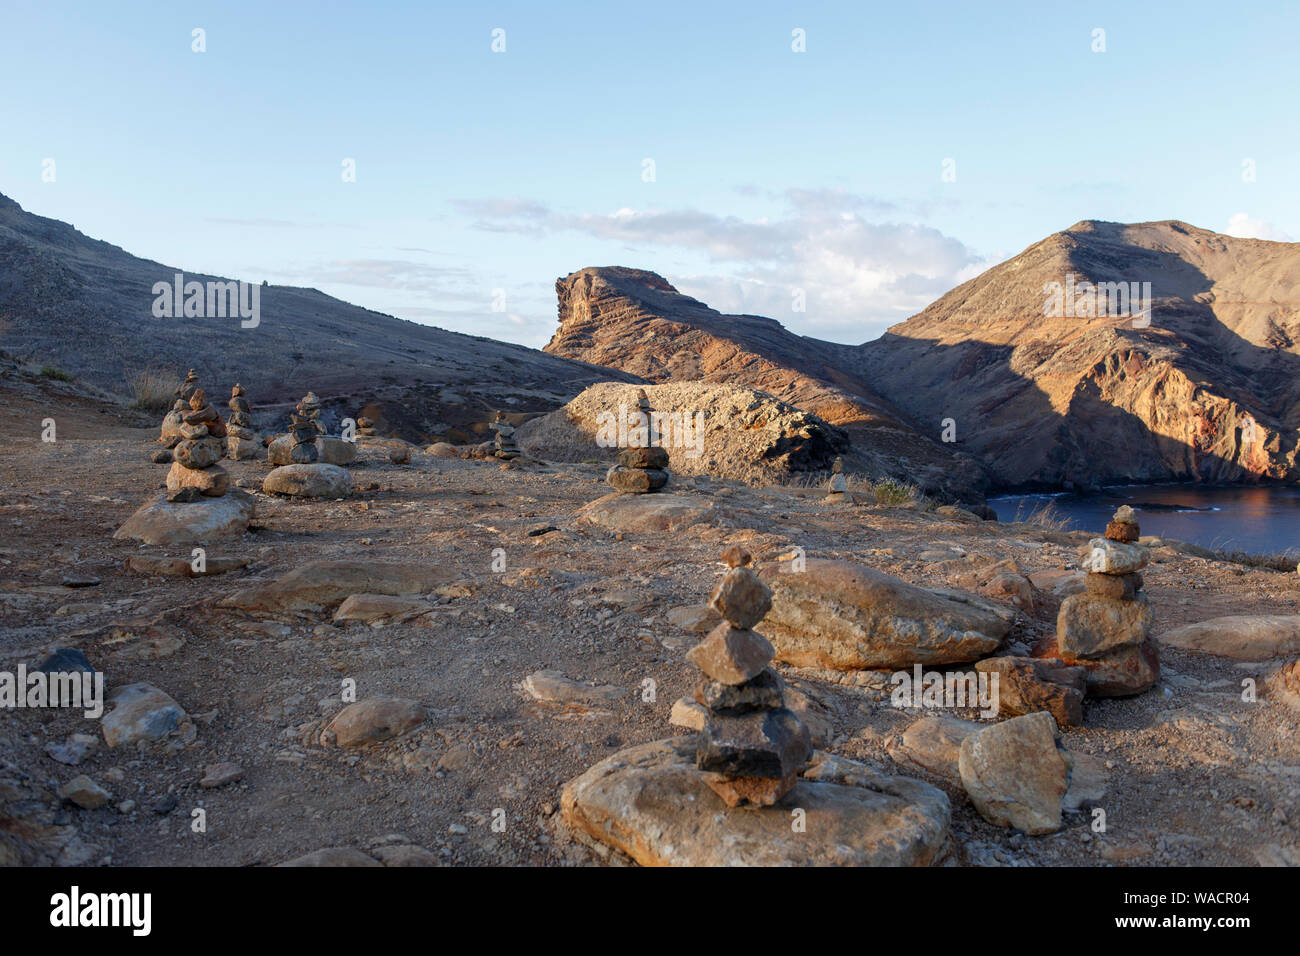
774,170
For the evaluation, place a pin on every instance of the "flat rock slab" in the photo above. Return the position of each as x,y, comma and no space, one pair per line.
323,584
845,616
381,607
934,744
650,512
183,567
553,687
652,804
309,481
159,521
1245,637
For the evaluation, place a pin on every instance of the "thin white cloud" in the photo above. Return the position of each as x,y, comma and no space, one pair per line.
1245,226
854,274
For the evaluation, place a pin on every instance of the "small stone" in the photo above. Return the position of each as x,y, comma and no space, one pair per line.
652,457
374,720
765,691
741,598
766,743
736,557
1115,557
219,774
164,804
730,655
1026,686
688,714
1123,531
750,791
1121,587
161,457
636,480
84,792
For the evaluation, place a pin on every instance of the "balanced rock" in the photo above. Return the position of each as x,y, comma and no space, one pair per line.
838,489
846,616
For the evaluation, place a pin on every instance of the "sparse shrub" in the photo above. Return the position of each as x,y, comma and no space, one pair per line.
891,492
50,371
153,389
1046,516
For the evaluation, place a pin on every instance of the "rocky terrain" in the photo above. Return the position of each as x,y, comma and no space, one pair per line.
1206,391
637,322
508,627
1203,387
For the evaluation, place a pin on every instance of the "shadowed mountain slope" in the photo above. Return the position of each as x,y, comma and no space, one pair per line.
85,306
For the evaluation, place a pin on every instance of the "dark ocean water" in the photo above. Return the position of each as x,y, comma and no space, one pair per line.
1253,520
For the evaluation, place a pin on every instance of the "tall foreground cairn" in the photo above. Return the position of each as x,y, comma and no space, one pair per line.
642,469
195,472
752,748
505,447
1106,629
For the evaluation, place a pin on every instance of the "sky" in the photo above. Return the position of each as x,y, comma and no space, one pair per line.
836,166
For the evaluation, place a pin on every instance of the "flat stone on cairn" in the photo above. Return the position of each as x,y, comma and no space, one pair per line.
504,443
241,441
1106,629
640,469
195,466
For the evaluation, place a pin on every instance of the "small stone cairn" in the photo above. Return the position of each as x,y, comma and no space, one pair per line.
505,447
1106,629
188,387
241,440
838,489
752,749
365,427
641,470
195,473
304,429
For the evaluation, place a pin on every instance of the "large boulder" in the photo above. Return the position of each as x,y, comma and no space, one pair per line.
1015,774
652,804
159,521
322,584
845,616
316,480
1242,637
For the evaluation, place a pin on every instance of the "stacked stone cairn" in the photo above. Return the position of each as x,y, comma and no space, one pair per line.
838,490
304,429
752,749
241,440
505,447
188,387
642,469
365,427
195,473
1106,629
